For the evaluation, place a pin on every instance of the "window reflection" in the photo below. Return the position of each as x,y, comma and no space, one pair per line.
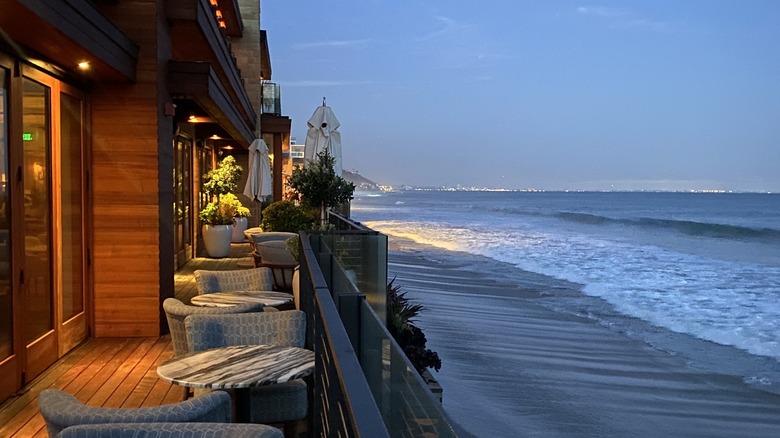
6,299
35,122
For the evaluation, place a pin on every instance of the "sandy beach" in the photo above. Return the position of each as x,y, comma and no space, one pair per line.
514,364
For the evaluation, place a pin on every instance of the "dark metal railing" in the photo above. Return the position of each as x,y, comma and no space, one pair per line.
342,223
343,291
341,400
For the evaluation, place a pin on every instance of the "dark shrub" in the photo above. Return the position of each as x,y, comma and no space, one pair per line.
400,315
286,216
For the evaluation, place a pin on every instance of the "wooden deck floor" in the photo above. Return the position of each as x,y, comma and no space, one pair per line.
112,372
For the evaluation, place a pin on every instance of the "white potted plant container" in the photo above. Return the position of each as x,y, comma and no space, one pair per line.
217,221
218,215
216,239
240,224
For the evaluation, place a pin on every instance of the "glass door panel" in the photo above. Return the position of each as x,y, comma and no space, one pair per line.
72,205
6,296
37,203
182,190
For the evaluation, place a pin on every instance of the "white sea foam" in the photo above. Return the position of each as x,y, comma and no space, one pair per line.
730,302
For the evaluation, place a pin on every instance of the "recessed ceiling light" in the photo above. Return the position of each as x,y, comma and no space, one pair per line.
84,65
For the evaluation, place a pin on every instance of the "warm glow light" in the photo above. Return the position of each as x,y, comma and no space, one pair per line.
219,14
84,65
228,147
215,137
214,3
191,118
222,24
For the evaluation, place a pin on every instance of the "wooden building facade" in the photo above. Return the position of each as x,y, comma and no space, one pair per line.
110,112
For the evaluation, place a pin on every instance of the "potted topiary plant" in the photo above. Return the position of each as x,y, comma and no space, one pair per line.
217,219
318,186
218,215
240,216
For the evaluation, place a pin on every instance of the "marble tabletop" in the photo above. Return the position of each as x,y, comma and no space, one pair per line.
227,299
240,366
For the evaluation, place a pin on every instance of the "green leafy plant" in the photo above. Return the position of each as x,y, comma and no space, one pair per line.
224,179
215,213
231,201
288,217
400,323
224,206
293,245
318,186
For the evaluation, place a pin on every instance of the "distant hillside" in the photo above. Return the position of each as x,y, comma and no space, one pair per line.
361,183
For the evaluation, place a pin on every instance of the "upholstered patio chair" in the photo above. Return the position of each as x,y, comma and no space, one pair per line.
170,430
60,410
176,311
256,237
275,255
230,281
279,403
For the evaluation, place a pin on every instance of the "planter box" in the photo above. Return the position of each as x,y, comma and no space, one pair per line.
433,385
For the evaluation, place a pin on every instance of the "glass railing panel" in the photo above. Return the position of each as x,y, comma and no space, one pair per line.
342,403
272,101
354,265
408,407
363,256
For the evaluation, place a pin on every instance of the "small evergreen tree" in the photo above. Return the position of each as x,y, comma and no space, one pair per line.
218,184
224,179
318,186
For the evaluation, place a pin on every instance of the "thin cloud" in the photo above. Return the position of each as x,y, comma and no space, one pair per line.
302,84
601,11
332,44
448,25
626,19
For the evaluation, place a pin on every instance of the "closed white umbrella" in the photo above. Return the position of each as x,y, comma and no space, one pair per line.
323,134
258,182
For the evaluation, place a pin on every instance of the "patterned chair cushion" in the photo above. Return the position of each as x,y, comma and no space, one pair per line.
275,252
170,430
60,410
176,311
229,281
286,328
278,403
258,235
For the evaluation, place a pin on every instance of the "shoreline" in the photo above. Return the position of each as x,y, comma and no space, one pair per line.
513,364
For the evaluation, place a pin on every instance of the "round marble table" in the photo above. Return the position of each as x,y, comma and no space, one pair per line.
227,299
238,367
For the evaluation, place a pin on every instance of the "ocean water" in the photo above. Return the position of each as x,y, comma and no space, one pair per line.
674,270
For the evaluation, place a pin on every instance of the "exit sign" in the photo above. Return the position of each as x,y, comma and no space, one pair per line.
27,136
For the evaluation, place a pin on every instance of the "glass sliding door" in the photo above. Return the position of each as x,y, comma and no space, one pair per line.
182,191
72,252
36,174
43,245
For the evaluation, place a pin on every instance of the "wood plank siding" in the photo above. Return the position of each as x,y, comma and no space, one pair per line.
132,182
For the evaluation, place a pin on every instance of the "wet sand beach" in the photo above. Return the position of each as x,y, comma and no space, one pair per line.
515,364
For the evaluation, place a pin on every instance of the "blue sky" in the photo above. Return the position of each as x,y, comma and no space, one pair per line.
553,95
